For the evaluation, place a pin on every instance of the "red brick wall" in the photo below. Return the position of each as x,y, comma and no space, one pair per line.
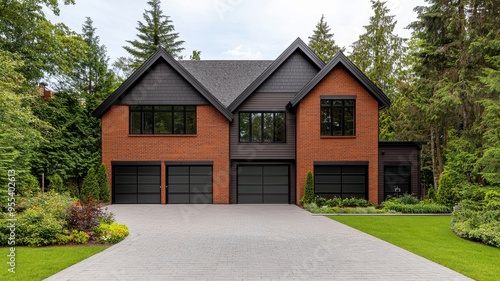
312,147
210,144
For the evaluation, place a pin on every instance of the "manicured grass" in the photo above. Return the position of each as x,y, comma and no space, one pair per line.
40,263
431,238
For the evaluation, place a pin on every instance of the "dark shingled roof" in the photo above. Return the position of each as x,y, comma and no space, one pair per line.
226,79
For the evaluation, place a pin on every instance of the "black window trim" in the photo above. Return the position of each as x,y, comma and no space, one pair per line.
342,98
261,126
153,111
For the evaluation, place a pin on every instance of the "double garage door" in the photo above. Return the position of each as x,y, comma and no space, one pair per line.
140,184
268,184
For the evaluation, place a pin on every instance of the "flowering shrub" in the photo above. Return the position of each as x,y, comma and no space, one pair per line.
85,216
110,233
74,236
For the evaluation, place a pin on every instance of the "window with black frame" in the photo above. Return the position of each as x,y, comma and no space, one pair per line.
163,119
267,127
338,117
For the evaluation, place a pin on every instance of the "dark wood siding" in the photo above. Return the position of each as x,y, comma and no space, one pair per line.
233,178
399,155
162,85
291,76
259,151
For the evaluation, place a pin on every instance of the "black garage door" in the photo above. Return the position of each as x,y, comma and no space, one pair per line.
340,181
189,184
267,184
136,184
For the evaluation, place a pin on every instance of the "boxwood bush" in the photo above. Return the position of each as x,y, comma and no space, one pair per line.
409,204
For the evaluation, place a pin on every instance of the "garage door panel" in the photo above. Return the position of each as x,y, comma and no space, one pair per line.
360,170
126,198
178,180
178,198
120,179
148,198
178,170
148,170
250,179
328,179
250,199
200,179
249,188
148,180
354,195
201,171
353,179
275,179
250,170
354,188
327,188
275,170
327,170
205,198
125,170
278,189
275,199
201,188
126,188
178,188
148,188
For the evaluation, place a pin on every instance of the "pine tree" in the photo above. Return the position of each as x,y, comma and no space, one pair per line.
157,31
102,179
322,42
380,54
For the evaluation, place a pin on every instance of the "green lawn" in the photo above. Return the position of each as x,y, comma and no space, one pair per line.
431,238
40,263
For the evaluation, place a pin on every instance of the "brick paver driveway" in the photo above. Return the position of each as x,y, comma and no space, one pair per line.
247,242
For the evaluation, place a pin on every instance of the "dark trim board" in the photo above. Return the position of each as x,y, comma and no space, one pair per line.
341,163
135,163
189,163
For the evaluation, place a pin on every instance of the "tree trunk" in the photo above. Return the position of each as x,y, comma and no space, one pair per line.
433,157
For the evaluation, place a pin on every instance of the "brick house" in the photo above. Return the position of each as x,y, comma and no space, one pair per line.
249,131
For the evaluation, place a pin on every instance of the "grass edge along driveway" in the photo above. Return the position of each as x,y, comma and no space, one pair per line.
38,263
431,238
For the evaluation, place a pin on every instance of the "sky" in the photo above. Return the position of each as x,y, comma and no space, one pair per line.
234,29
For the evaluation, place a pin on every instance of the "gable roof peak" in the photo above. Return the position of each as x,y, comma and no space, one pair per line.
341,59
298,44
136,75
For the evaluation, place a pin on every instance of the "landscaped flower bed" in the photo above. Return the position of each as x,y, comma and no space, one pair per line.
55,219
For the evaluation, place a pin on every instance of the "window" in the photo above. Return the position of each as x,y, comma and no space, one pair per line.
262,127
163,119
337,117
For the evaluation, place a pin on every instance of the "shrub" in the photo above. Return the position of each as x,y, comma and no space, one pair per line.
411,205
308,189
346,202
110,233
73,236
56,184
447,193
52,202
431,194
474,222
90,185
29,186
84,216
102,180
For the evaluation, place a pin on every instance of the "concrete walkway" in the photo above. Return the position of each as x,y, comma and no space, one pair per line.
247,242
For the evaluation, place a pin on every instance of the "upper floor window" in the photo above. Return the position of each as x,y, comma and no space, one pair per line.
262,126
163,119
338,117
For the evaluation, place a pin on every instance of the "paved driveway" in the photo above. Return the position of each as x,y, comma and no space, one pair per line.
247,242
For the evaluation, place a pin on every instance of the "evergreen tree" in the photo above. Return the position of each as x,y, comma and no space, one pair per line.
380,54
157,31
56,184
91,78
322,42
308,189
102,179
90,185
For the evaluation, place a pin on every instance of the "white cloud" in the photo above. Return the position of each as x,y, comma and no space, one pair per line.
243,52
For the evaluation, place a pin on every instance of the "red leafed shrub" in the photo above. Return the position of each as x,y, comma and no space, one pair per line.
85,216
